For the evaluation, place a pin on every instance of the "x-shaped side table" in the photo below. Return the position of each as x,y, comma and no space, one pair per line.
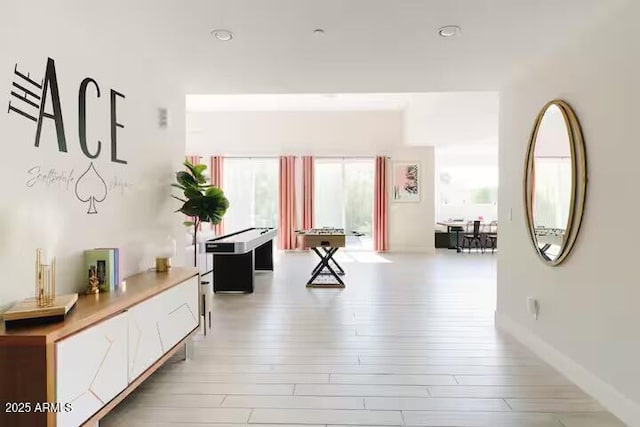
326,259
336,266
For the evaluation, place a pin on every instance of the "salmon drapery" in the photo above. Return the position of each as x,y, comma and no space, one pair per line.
216,170
380,207
307,192
287,204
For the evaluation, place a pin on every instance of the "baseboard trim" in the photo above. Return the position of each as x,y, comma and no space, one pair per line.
615,402
412,249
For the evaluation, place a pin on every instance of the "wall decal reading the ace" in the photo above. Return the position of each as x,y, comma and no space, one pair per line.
39,101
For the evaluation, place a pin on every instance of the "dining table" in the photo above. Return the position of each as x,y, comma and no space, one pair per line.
457,226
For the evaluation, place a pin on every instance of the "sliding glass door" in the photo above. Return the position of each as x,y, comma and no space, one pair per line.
344,197
265,193
251,185
329,194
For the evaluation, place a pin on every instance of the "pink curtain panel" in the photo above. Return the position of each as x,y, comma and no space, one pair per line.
380,206
287,204
217,172
194,160
307,192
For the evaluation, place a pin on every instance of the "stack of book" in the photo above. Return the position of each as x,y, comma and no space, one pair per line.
106,262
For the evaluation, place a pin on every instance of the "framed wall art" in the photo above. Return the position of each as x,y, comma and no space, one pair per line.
405,184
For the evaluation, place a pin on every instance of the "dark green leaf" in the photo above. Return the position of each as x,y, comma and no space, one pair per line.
194,207
196,171
191,193
214,192
185,179
189,165
199,169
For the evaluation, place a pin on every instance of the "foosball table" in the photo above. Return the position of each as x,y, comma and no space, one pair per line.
325,242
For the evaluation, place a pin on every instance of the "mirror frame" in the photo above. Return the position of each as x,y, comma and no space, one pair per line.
578,180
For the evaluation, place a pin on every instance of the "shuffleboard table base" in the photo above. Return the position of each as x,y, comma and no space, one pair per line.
233,272
263,257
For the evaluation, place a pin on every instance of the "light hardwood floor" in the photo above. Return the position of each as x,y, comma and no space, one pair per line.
410,341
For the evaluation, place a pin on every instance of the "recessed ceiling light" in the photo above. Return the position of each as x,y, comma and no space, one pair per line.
222,35
318,32
449,31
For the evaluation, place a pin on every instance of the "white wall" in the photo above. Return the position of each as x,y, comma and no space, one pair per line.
301,132
589,313
326,133
452,118
411,224
98,40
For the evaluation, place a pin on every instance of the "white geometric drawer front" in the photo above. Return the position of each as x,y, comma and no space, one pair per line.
181,313
144,339
159,323
91,369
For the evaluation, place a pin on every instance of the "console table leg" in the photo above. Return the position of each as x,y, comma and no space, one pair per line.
185,349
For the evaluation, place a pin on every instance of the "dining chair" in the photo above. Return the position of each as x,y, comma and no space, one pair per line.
473,236
492,236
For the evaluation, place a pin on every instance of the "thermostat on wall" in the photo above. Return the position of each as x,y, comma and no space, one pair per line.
163,118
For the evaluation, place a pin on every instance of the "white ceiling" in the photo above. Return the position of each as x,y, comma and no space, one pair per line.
379,49
371,46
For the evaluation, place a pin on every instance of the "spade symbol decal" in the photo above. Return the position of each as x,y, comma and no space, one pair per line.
90,187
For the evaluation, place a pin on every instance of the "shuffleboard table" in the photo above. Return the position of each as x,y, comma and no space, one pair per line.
236,257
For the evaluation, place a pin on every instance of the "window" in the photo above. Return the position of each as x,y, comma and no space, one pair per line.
467,181
467,192
469,185
344,197
251,185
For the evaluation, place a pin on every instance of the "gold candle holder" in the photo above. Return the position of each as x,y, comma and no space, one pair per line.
163,264
45,279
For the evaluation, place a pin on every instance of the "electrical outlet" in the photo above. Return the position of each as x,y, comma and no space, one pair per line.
533,307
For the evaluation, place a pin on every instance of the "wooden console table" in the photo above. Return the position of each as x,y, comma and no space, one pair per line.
108,345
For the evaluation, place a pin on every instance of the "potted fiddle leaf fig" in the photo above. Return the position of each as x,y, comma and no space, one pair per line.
200,201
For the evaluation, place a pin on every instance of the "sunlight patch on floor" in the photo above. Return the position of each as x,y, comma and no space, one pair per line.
369,257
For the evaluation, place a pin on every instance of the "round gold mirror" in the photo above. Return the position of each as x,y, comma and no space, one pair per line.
555,181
